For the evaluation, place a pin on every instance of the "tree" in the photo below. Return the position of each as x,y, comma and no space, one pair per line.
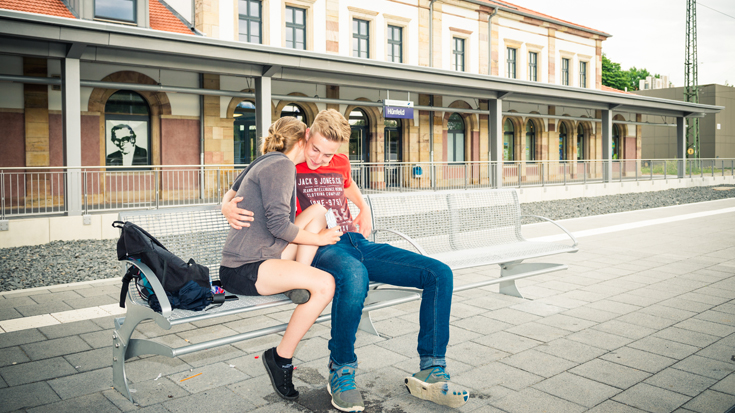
613,76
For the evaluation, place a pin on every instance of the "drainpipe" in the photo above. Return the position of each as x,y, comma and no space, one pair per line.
201,138
431,33
490,42
431,97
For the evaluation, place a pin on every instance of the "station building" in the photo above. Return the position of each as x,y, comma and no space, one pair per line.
502,95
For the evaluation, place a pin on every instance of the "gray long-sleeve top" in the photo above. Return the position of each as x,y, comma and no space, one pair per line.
268,190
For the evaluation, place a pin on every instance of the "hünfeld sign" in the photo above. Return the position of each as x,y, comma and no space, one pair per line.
397,109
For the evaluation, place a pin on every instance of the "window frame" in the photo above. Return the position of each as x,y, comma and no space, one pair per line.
359,36
533,66
295,26
458,54
583,66
452,140
511,63
564,73
116,19
390,41
260,20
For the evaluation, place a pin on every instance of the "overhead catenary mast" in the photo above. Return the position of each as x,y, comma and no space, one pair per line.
691,90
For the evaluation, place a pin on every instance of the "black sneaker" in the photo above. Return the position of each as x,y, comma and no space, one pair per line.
280,377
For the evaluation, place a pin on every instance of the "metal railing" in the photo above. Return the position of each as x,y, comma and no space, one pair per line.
26,192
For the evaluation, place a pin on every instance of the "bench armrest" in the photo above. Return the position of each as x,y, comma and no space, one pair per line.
406,237
156,285
554,222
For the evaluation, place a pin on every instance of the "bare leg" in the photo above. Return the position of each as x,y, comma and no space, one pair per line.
311,219
277,276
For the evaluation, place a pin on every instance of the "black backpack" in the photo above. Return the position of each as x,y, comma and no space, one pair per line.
135,243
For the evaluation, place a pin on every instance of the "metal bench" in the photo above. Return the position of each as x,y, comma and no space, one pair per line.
197,232
462,228
466,229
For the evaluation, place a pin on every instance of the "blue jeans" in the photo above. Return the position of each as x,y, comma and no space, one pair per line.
354,262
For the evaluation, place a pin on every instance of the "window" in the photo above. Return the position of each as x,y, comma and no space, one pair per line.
359,126
127,130
616,142
361,38
533,66
458,54
250,29
294,111
565,72
455,138
582,74
511,63
395,44
245,141
530,141
295,28
580,143
508,140
562,141
115,10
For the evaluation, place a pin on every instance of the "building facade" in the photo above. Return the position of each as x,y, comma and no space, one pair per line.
716,131
502,94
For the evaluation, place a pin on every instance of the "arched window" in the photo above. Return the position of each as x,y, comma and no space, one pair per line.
127,129
455,138
616,142
580,142
245,141
508,141
295,111
530,141
358,137
562,141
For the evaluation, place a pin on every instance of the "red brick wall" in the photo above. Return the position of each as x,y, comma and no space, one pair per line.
13,151
179,142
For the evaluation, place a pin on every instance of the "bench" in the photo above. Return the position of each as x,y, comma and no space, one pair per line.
432,223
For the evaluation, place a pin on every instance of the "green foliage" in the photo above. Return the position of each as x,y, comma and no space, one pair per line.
615,77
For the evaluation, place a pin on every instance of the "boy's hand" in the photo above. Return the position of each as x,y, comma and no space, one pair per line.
238,218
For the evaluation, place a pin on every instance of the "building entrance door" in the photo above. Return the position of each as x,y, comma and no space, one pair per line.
393,152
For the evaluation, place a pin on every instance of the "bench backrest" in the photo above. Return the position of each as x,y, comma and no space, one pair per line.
191,232
444,221
197,232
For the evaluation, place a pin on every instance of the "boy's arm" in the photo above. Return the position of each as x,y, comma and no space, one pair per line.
364,218
238,218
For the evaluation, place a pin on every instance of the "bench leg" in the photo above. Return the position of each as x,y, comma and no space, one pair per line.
124,328
518,270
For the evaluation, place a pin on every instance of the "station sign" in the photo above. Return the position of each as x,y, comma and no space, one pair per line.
397,109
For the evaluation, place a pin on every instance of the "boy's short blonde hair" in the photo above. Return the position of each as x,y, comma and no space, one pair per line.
332,125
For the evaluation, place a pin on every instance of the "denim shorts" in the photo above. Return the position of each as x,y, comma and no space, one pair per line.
240,280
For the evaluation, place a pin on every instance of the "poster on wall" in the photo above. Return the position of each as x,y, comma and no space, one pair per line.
126,143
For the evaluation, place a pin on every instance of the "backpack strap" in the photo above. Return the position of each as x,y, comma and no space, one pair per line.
131,273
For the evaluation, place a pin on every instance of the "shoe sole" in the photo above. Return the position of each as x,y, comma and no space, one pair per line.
273,382
439,393
344,409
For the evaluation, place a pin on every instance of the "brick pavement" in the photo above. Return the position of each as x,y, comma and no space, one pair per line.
643,321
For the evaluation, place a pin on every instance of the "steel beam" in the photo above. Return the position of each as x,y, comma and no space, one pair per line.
72,132
262,110
607,124
495,129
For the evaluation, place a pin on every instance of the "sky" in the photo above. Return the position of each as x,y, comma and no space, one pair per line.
651,34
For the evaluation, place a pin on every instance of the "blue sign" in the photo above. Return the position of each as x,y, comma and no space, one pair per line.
394,112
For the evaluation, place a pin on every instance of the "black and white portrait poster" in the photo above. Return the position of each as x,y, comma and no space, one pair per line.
126,143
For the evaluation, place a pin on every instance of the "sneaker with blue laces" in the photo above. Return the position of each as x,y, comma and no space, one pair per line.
341,386
433,384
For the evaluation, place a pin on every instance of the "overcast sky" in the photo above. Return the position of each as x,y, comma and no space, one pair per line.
651,34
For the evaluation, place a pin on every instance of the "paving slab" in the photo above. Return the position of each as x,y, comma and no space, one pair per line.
26,396
663,347
706,366
611,406
532,400
651,399
35,371
56,347
711,401
571,350
577,389
613,374
680,381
